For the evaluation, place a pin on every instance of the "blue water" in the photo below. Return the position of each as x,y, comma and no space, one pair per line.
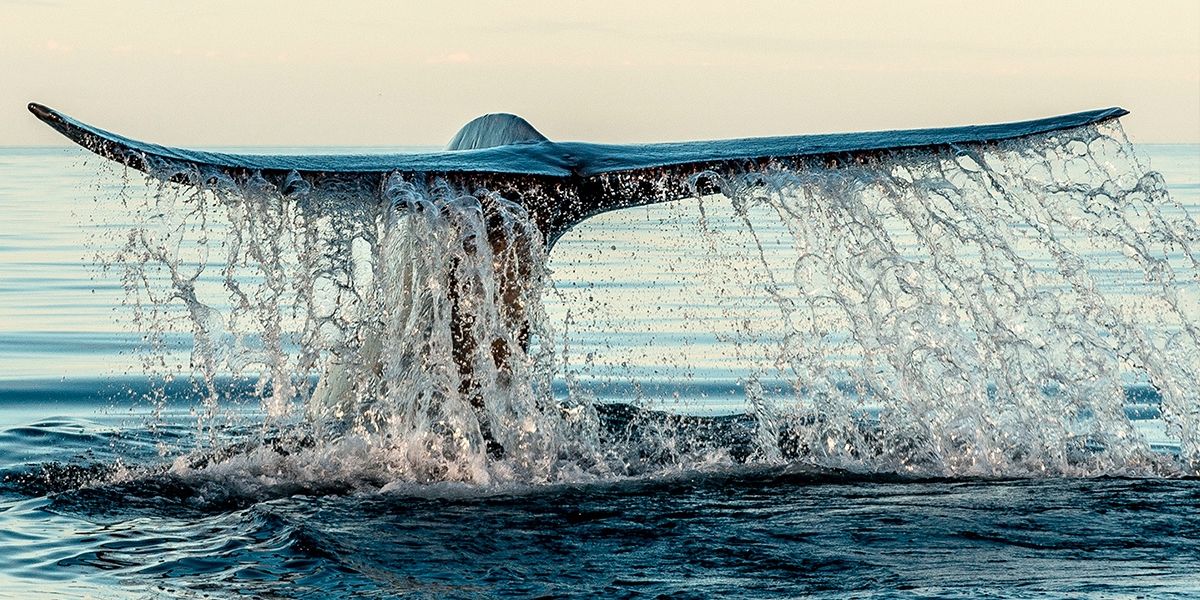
94,503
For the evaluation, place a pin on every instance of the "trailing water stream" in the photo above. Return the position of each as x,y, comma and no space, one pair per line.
979,311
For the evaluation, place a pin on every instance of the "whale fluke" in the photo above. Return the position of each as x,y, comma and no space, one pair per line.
559,183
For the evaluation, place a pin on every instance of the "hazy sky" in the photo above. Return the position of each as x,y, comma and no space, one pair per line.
393,73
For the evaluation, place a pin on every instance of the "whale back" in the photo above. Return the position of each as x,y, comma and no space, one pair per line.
496,129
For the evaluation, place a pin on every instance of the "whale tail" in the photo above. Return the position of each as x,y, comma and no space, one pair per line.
556,184
559,183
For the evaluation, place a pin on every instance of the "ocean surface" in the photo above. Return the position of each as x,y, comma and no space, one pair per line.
109,487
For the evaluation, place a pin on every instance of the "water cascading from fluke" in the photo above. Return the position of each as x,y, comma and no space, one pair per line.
938,313
956,313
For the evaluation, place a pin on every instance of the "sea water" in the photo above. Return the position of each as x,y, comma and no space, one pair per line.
924,376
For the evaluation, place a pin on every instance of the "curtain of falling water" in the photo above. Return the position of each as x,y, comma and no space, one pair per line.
963,301
942,313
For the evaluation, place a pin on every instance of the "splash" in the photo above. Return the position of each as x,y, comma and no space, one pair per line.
966,302
930,312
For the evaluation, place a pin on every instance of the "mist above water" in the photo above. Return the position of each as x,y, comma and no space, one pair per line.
941,313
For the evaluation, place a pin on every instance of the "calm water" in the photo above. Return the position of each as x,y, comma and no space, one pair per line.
89,506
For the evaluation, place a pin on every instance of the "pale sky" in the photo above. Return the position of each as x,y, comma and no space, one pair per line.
216,73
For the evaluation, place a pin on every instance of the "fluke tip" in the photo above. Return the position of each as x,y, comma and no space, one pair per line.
42,112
